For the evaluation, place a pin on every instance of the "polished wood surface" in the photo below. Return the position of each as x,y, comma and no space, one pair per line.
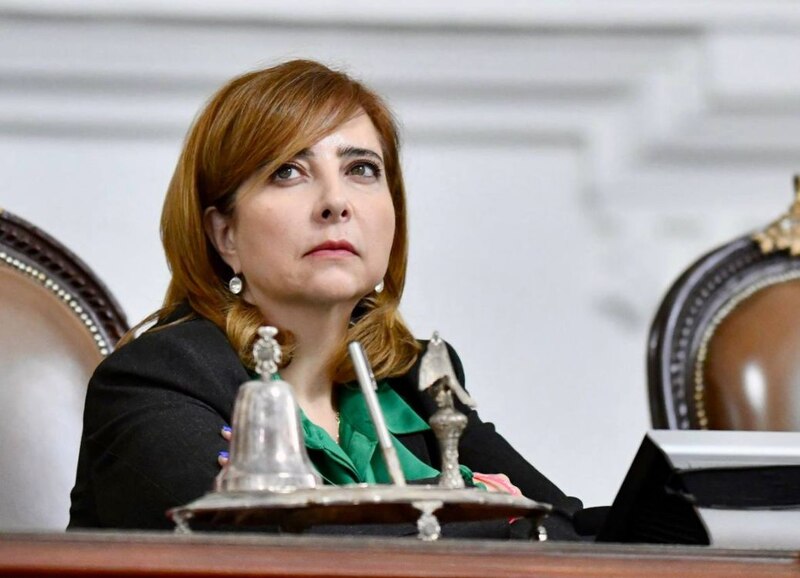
128,554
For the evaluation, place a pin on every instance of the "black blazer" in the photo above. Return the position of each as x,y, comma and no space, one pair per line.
151,432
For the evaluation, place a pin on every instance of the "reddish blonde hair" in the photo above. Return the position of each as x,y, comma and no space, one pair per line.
257,122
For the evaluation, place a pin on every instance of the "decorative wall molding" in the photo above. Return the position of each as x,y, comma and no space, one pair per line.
643,91
620,14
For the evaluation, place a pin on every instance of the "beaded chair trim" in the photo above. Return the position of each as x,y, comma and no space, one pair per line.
64,295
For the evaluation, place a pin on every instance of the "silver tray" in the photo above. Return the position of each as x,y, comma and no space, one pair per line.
297,510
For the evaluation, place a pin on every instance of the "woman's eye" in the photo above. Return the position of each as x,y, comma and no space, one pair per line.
363,169
285,173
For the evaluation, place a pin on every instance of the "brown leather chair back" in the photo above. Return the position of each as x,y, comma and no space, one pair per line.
724,348
57,321
752,367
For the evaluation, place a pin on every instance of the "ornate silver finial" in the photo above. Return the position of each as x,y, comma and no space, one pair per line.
267,352
436,374
436,364
784,233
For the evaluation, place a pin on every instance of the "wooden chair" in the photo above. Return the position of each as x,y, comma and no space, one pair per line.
724,348
57,321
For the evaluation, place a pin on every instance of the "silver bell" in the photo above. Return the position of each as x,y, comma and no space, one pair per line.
267,450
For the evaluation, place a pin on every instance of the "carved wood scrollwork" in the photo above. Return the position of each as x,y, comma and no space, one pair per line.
783,233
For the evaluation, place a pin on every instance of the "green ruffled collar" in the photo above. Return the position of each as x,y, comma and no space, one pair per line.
357,457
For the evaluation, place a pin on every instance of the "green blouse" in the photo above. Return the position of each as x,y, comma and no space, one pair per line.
357,457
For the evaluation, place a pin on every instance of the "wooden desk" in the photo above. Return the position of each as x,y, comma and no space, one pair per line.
151,554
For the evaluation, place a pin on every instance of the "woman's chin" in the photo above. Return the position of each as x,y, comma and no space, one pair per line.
334,294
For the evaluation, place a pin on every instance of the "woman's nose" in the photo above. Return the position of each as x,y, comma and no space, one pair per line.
333,205
334,213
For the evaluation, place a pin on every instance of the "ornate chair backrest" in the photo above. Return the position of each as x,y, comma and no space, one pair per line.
57,321
724,348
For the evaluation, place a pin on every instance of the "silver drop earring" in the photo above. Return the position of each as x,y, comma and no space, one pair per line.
379,287
236,284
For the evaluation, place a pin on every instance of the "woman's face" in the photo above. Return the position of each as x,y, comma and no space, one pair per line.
317,231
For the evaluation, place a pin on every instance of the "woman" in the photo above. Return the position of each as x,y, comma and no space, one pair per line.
287,208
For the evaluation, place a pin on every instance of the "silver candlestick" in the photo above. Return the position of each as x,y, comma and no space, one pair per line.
436,373
448,424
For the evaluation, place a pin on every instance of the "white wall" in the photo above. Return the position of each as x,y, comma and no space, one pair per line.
565,161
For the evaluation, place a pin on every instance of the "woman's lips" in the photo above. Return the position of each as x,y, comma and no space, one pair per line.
333,249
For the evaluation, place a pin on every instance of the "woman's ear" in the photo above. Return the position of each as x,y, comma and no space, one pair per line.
220,231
